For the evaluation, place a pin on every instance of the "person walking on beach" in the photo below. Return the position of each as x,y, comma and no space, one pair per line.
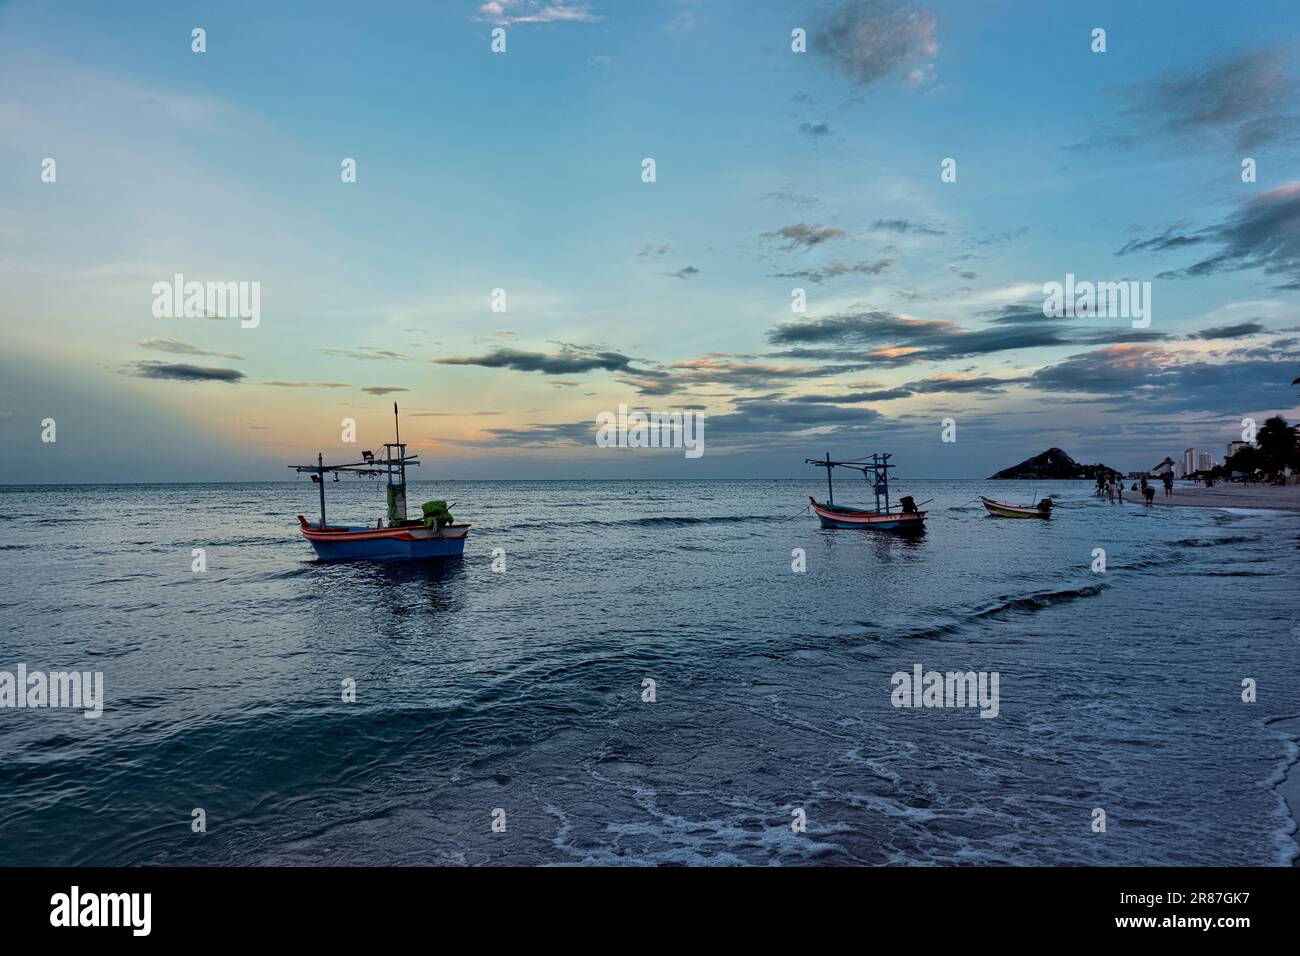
1169,484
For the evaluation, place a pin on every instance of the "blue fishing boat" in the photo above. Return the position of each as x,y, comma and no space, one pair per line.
436,535
876,471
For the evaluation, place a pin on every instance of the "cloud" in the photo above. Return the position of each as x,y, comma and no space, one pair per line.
815,130
186,373
870,40
654,250
1144,376
805,235
685,273
788,195
904,225
860,328
510,12
961,383
893,340
754,423
308,384
383,389
1239,331
946,383
367,352
177,347
839,267
565,362
1245,98
1264,233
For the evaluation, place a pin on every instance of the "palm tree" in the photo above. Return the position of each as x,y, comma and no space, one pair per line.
1277,444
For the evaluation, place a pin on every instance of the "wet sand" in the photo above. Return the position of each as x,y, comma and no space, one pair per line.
1282,498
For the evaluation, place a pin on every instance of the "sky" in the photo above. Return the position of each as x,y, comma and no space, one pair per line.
523,171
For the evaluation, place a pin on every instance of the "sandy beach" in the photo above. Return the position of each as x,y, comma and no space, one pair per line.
1279,497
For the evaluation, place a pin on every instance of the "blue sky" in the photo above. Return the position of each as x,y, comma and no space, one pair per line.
522,171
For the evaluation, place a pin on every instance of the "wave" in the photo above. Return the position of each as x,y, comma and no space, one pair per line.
664,521
1025,604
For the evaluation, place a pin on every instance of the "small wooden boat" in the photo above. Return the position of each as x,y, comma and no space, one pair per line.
881,518
437,535
1003,510
408,540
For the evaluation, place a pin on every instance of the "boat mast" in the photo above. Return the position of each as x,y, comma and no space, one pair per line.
830,489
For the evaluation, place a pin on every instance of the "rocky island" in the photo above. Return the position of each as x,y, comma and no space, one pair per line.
1054,463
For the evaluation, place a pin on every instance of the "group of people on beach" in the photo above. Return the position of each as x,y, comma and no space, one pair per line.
1112,488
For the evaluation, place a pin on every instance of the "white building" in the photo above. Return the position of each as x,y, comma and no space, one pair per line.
1189,461
1204,461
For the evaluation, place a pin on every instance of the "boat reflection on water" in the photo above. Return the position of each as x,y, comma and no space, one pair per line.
379,591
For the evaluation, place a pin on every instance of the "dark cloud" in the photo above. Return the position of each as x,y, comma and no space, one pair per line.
815,130
893,340
788,195
877,395
1239,331
871,40
654,250
383,389
838,267
860,328
904,225
684,273
1146,376
958,383
367,352
1245,99
308,384
565,362
803,234
177,347
186,373
1167,240
1264,233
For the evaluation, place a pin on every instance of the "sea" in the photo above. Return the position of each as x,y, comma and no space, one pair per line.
648,673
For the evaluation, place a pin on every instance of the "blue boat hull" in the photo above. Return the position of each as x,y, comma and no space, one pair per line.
410,543
833,516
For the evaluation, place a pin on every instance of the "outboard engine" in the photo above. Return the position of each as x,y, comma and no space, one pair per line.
909,504
1045,504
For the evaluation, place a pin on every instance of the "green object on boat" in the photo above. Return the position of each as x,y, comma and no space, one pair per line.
396,493
435,512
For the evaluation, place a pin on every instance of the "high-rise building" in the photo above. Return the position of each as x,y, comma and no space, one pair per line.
1178,471
1189,461
1236,446
1204,461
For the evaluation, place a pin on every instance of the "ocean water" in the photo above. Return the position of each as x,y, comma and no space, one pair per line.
517,694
